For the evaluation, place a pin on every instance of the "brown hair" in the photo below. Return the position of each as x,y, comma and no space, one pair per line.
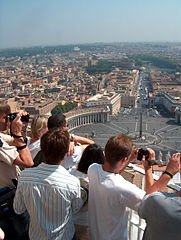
118,147
4,108
54,145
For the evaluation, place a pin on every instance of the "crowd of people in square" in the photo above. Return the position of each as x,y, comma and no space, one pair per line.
55,185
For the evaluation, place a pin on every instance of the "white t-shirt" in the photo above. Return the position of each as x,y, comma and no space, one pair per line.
34,147
109,196
8,170
70,161
7,138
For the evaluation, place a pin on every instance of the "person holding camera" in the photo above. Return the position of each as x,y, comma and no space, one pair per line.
13,154
13,150
110,194
162,210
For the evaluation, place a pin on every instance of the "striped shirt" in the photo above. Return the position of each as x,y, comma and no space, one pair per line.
50,195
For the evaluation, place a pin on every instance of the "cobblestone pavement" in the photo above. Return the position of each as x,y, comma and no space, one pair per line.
159,132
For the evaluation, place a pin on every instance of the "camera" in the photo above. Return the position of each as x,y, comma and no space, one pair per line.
143,152
12,116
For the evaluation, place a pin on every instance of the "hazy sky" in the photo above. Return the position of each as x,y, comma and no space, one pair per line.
26,23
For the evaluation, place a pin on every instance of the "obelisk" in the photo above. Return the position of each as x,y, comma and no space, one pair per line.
140,136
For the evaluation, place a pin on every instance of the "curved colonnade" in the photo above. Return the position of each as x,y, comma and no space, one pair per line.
87,116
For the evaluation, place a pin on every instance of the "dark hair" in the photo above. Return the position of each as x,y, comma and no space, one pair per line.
56,121
93,153
118,147
54,145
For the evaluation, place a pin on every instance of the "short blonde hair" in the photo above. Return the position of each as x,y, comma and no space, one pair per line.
38,126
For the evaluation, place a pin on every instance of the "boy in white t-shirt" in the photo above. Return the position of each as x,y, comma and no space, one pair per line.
110,194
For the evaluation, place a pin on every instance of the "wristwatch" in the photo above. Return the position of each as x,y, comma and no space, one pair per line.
168,173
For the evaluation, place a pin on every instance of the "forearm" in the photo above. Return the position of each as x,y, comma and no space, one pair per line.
83,140
159,184
24,159
172,168
149,181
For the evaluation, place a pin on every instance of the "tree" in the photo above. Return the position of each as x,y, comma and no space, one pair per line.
63,108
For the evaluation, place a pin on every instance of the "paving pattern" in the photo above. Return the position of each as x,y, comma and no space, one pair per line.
159,130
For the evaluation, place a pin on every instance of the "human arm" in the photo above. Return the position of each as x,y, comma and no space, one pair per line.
81,140
131,195
173,167
18,204
24,159
78,140
149,181
147,167
78,199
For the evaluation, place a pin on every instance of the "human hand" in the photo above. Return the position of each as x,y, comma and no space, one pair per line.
16,125
174,164
71,149
133,155
151,158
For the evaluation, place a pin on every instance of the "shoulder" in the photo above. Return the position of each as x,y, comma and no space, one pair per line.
64,173
159,202
161,198
73,171
127,186
129,194
7,138
93,167
5,145
7,153
151,200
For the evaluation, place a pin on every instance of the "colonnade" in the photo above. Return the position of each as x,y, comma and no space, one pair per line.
87,117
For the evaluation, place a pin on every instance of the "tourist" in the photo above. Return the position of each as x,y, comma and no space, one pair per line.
13,154
38,128
110,194
77,143
49,192
93,153
162,210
